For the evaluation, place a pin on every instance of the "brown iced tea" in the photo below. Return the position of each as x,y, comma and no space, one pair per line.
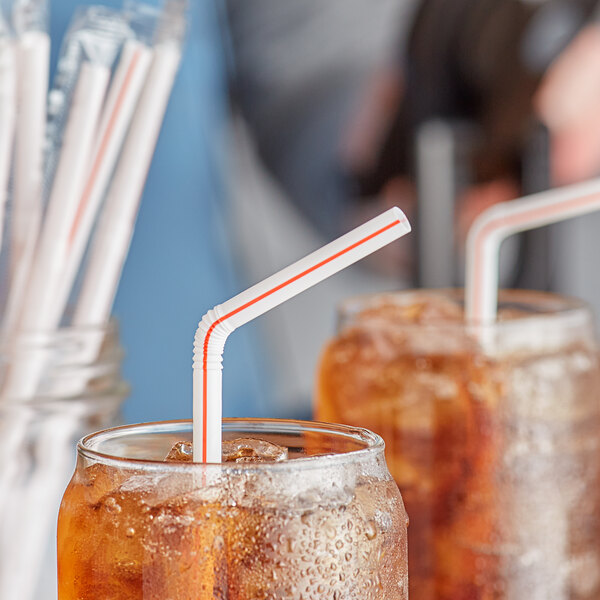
492,435
300,511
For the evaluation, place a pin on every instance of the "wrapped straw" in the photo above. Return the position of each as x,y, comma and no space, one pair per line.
32,45
66,191
26,370
116,116
79,166
89,50
32,313
7,114
499,222
218,323
115,229
90,47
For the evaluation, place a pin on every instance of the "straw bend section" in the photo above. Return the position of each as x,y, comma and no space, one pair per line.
218,323
499,222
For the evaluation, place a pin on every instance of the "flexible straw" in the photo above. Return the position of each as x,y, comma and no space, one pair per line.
218,323
115,228
499,222
66,191
7,118
117,113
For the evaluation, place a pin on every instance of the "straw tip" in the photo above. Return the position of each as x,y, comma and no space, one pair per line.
401,218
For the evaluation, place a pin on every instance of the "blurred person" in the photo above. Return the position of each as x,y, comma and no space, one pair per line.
334,96
329,98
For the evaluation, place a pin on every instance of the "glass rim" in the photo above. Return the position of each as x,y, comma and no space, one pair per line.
114,395
374,444
62,333
65,342
559,306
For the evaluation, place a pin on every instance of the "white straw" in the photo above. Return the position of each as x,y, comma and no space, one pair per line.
115,228
66,191
33,54
218,323
120,103
28,360
499,222
7,120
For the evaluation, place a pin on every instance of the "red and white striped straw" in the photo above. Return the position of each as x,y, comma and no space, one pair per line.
121,101
219,322
499,222
114,231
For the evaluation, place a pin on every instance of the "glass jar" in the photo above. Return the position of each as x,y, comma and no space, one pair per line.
78,389
492,434
328,522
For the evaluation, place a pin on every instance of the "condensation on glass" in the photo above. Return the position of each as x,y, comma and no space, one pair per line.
328,522
492,434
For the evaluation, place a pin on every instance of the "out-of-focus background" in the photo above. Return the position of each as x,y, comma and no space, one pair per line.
291,122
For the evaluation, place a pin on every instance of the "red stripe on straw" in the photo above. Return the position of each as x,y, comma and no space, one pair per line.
517,219
103,145
258,299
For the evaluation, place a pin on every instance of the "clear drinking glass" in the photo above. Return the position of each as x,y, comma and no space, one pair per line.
492,434
328,522
79,389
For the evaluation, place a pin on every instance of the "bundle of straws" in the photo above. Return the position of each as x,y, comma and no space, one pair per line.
73,164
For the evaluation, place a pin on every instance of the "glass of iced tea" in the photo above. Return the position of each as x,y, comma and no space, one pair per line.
492,434
295,510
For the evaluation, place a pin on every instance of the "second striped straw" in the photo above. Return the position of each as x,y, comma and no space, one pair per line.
219,322
499,222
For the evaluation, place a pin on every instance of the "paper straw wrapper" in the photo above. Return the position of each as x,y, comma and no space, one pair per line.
499,222
218,323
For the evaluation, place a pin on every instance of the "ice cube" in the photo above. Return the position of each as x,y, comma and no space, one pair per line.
249,450
240,450
181,452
